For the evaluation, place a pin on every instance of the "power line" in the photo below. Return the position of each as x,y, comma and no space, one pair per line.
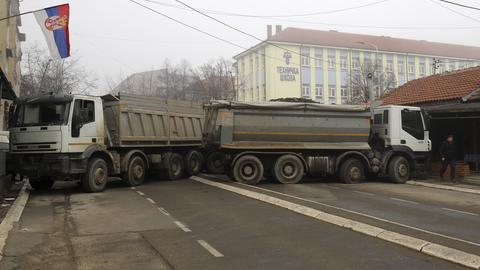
456,12
270,18
278,15
460,5
248,34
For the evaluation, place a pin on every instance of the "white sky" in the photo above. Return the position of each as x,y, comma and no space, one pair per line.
116,37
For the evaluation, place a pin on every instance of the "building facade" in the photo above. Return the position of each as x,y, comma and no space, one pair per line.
324,65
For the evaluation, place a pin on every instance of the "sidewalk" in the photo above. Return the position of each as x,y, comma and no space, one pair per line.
468,185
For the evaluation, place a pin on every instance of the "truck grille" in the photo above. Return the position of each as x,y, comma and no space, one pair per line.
34,147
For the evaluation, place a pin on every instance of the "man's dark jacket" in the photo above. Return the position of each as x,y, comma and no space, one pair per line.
448,150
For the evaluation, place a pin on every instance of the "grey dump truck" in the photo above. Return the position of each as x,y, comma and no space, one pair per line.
289,140
88,138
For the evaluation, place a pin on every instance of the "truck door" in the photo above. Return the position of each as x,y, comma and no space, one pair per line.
413,133
83,128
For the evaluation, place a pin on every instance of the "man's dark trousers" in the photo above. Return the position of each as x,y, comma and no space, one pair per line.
445,164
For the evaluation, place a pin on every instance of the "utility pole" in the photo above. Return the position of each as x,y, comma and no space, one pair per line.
371,95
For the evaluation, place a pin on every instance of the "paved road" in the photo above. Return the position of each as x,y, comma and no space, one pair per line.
188,225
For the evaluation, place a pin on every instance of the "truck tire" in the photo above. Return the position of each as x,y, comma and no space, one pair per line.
193,163
176,167
399,170
352,171
288,169
215,163
42,183
248,170
96,177
135,173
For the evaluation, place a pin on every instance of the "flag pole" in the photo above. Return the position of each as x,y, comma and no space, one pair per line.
28,12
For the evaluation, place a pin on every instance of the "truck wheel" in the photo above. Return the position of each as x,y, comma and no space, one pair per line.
175,167
288,169
135,173
42,183
215,163
96,176
352,171
399,170
193,163
248,170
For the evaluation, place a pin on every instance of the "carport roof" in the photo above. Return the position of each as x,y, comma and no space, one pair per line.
458,85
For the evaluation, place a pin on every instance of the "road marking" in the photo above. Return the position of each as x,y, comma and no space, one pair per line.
161,209
151,201
426,247
140,193
133,188
460,211
364,193
182,226
402,200
13,216
210,249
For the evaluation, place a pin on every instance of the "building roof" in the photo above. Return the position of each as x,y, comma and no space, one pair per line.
384,43
462,85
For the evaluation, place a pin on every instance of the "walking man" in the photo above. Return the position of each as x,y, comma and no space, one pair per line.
448,153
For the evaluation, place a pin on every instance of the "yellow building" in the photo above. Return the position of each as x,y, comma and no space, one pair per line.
10,53
320,65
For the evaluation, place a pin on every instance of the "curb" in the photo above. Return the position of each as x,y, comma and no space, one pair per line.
13,216
429,248
444,187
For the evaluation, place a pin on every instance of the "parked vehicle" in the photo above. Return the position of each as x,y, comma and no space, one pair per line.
87,138
288,140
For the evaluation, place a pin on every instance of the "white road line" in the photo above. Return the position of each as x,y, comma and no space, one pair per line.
358,213
460,211
161,209
140,193
133,188
402,200
182,226
364,193
210,249
150,200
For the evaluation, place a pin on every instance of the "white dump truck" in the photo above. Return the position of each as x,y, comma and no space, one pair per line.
88,138
287,140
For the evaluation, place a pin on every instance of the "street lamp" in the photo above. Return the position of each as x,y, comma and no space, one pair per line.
379,79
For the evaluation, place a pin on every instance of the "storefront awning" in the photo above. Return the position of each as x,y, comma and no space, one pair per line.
6,89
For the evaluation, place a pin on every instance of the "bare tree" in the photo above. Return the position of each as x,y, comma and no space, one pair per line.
214,80
369,74
41,74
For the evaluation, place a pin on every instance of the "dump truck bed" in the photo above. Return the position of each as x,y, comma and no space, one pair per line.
281,125
134,120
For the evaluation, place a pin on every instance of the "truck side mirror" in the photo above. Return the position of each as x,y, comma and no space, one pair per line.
77,122
11,112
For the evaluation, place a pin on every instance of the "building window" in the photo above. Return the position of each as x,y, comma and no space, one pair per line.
411,68
343,63
356,63
401,67
305,90
332,90
331,62
319,61
305,60
421,69
389,66
319,91
343,91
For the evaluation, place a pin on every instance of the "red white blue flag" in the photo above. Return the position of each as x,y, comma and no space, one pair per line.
54,23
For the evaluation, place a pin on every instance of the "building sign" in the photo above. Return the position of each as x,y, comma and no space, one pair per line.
287,74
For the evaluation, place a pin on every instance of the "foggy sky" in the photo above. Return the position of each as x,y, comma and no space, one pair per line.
114,38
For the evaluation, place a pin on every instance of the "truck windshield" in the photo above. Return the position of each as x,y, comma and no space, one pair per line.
41,114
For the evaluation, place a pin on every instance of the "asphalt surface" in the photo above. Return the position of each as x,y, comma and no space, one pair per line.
188,225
